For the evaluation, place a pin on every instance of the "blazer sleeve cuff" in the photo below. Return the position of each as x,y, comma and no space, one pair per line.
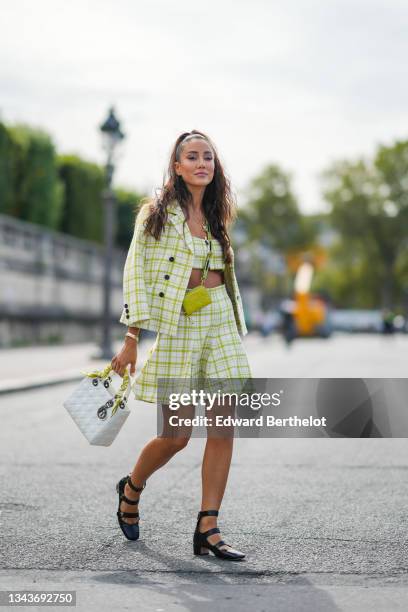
131,321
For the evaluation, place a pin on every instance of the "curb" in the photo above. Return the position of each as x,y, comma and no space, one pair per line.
13,386
38,382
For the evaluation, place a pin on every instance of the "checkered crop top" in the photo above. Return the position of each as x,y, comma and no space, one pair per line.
200,254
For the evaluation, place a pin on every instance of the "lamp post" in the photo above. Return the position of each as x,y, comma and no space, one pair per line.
111,137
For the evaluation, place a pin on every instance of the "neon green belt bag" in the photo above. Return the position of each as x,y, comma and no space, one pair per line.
199,296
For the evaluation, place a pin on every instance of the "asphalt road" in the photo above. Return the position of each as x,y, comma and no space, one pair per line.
323,521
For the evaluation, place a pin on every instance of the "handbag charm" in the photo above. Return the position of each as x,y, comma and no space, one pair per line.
97,409
200,296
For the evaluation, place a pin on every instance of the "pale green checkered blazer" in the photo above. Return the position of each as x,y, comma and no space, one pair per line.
157,272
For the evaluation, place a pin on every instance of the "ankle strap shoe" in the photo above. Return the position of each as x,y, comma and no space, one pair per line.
201,546
130,530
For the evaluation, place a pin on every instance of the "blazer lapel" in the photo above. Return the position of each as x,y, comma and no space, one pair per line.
177,218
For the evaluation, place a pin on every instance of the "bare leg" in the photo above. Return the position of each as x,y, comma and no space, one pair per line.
153,456
214,472
215,469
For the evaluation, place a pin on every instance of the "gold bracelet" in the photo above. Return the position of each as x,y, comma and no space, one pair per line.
132,336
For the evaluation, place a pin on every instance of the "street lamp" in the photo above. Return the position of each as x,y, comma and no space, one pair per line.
112,135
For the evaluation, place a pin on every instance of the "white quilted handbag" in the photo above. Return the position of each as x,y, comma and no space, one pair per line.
97,409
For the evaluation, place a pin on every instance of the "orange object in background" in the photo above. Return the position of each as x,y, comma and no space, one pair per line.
309,313
305,315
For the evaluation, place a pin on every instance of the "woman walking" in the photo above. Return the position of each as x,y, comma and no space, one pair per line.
180,241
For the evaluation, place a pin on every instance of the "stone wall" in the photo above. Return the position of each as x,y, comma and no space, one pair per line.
51,286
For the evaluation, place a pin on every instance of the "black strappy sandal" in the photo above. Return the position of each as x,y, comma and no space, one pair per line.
130,530
201,545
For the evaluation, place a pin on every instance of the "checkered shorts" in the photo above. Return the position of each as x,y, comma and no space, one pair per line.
207,346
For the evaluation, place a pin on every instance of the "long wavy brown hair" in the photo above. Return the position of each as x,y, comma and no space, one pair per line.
218,203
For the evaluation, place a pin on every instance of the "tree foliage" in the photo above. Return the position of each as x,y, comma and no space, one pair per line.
127,205
33,191
369,208
7,172
272,213
60,192
83,208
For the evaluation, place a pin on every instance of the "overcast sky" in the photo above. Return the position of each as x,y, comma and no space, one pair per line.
299,83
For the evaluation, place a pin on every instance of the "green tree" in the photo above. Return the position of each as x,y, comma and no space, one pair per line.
272,213
368,207
127,205
348,278
6,171
64,193
392,166
82,214
274,227
38,193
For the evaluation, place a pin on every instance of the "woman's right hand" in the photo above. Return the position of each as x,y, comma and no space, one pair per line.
127,355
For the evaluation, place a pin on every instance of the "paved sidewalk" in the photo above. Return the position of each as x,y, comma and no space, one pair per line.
38,366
